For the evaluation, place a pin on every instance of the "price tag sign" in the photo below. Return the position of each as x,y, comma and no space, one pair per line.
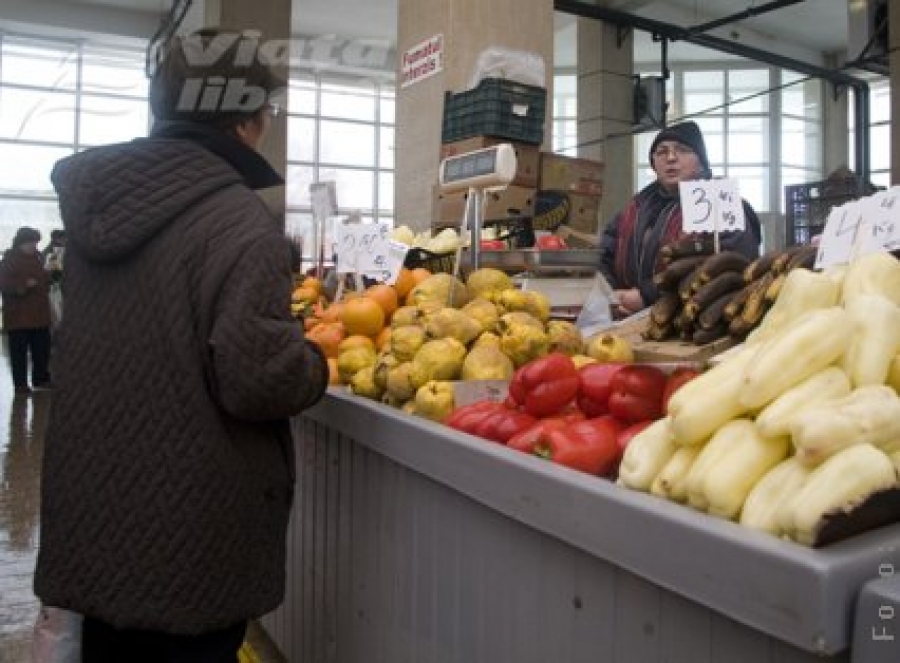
882,214
472,391
365,248
711,206
345,248
842,235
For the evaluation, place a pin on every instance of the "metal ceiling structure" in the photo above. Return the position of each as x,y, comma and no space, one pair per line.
697,35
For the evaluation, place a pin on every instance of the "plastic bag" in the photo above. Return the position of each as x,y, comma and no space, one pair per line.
596,314
520,66
56,306
57,636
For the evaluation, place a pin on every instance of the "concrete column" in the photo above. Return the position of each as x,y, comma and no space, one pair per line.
894,36
468,27
605,100
272,19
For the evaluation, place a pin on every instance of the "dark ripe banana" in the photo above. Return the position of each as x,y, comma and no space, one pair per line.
689,284
760,266
657,332
668,278
756,306
780,264
714,314
723,284
805,257
704,336
689,245
775,288
725,261
665,309
736,304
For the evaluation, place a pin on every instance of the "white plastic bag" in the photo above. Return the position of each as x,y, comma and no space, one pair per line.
57,636
596,314
56,306
520,66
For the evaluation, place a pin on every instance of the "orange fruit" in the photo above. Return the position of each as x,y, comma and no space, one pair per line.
383,338
362,315
404,282
313,283
305,294
333,375
332,313
355,341
327,336
386,297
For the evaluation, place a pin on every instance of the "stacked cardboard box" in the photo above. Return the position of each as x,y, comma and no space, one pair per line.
581,180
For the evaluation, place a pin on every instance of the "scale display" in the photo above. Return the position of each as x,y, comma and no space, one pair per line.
491,167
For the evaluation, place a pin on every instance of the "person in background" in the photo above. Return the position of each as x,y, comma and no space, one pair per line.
25,287
168,463
53,254
630,243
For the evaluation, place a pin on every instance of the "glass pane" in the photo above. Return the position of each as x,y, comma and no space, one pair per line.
40,214
881,147
386,192
713,129
51,64
388,110
753,184
354,101
745,82
117,72
40,116
703,90
355,188
802,99
800,143
297,185
110,120
26,168
347,143
302,95
880,99
565,136
299,229
748,140
386,147
882,178
301,134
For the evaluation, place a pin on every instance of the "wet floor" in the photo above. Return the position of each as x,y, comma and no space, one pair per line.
23,420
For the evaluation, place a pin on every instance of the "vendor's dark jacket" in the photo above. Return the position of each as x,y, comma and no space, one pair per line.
24,306
630,243
168,465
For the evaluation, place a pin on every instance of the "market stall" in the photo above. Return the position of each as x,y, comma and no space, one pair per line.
411,542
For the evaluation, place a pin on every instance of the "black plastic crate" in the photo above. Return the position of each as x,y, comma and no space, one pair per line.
807,205
497,107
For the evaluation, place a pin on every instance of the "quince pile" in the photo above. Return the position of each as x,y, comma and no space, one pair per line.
448,330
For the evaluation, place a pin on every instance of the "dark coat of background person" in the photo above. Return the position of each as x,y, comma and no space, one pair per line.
169,467
655,216
24,307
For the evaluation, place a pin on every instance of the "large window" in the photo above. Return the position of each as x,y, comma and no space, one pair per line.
58,97
879,132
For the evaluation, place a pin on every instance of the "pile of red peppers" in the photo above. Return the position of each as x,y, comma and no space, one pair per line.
580,418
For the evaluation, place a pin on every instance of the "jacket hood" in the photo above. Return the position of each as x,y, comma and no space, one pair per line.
114,199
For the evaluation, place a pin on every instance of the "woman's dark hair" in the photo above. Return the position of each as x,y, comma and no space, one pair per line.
213,76
25,235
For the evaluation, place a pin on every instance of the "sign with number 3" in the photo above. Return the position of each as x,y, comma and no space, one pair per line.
711,206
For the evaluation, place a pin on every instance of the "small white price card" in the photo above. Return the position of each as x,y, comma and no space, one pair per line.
471,391
882,214
365,248
713,206
842,235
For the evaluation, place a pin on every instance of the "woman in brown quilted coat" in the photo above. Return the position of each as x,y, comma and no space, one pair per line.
168,465
25,286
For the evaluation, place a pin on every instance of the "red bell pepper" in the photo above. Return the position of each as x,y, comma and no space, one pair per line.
545,386
551,243
502,424
589,445
529,439
595,388
467,417
677,378
493,245
637,393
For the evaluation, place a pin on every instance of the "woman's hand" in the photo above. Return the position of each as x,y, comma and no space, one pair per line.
630,301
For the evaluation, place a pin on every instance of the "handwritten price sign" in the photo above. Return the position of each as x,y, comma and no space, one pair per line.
365,248
713,206
860,227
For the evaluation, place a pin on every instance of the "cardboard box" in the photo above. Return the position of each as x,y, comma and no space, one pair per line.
584,213
527,156
512,202
562,173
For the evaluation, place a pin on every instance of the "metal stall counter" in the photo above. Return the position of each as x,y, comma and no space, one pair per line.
411,542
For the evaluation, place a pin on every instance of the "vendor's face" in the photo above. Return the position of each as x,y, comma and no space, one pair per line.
675,162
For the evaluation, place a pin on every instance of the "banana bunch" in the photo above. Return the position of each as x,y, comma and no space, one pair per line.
695,285
798,432
763,281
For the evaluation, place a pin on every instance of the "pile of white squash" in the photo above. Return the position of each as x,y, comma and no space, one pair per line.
800,422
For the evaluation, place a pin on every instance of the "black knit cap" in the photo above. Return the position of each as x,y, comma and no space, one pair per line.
25,235
686,133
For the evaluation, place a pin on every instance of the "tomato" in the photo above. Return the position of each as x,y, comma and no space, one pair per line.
595,387
637,393
677,378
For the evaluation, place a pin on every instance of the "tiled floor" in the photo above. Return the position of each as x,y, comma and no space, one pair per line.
21,444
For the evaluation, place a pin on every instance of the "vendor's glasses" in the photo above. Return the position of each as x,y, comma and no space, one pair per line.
679,150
